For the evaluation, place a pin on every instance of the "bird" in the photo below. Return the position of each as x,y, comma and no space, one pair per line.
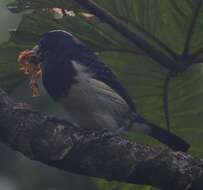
90,91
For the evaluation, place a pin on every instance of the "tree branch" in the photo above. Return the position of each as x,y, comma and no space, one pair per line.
115,23
58,143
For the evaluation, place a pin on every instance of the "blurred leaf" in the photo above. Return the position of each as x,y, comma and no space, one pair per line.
142,77
107,185
9,75
157,18
170,26
3,2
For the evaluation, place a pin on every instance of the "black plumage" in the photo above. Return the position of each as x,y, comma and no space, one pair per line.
80,54
89,90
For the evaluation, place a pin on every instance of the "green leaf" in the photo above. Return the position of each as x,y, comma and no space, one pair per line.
174,27
106,185
3,2
143,78
10,77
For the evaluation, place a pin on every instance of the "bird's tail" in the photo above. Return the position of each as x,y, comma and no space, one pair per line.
164,136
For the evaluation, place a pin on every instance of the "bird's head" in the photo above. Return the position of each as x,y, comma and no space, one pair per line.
55,51
58,45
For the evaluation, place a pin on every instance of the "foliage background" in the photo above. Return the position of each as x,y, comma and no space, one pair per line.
159,22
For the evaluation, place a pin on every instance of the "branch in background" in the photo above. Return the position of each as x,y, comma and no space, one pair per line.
154,53
58,143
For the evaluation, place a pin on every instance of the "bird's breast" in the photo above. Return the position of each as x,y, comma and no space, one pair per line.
93,104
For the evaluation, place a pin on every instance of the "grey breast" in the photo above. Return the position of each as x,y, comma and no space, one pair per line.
94,105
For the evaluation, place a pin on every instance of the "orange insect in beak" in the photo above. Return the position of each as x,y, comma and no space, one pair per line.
30,66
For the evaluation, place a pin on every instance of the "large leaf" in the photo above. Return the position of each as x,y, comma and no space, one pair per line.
173,27
9,75
3,2
106,185
153,19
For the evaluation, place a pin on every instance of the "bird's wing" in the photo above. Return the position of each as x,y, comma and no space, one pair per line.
102,73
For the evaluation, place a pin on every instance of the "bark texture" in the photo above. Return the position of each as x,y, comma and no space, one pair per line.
60,144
